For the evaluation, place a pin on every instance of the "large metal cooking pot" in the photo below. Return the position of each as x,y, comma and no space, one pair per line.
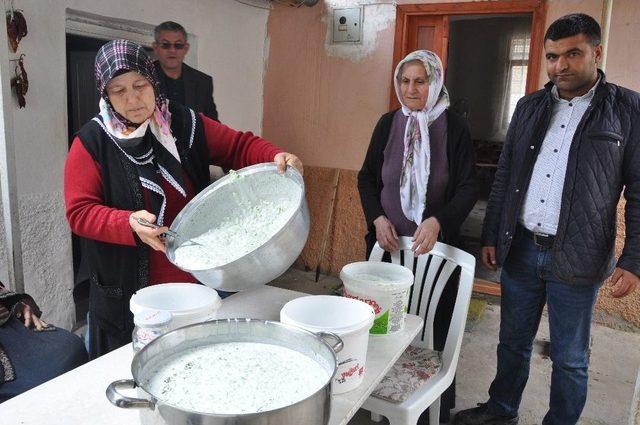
225,198
314,410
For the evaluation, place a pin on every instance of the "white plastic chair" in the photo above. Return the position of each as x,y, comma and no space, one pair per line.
435,269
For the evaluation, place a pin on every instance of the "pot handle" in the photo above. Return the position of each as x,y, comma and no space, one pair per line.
123,401
338,346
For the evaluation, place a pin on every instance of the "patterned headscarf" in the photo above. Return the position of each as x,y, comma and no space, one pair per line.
417,152
118,57
161,159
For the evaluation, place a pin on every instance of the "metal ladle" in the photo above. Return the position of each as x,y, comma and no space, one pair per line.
187,241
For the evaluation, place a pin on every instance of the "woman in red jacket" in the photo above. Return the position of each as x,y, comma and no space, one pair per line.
141,156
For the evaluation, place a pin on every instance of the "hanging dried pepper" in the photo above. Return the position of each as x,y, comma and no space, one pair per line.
16,28
20,82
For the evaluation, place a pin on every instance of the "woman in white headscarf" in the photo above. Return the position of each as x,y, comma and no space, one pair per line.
418,177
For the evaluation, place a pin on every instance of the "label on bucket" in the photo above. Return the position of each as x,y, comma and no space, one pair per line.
355,371
380,324
390,313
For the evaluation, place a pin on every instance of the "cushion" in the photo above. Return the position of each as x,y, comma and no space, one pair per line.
412,370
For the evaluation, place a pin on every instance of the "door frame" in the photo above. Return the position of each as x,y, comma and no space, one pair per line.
538,9
90,25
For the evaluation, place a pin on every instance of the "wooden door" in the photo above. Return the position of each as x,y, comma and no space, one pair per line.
421,33
429,33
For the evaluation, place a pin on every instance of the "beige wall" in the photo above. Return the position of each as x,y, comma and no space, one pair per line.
319,102
623,56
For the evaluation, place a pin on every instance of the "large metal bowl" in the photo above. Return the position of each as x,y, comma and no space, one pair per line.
313,410
266,262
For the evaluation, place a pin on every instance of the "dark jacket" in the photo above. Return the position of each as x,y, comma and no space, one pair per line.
461,192
198,90
604,157
117,271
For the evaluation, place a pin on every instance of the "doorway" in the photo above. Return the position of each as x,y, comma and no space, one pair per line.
492,53
82,105
82,96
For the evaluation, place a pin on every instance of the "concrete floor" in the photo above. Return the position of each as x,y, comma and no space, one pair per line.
615,359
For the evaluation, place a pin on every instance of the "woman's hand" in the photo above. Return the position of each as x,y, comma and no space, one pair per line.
426,236
285,158
386,234
146,234
23,312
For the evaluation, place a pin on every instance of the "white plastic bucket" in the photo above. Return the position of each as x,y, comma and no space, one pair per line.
349,319
385,287
188,303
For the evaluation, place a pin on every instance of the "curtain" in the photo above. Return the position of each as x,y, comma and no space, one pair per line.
513,56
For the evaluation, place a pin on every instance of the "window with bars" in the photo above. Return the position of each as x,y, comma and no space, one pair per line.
518,63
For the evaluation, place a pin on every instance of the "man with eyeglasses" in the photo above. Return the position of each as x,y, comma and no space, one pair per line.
182,83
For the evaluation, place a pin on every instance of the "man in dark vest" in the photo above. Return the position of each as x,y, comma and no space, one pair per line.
182,83
570,151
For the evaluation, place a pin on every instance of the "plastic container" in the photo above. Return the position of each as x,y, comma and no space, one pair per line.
149,324
188,303
349,319
385,287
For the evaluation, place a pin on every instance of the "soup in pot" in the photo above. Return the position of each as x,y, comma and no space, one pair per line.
236,378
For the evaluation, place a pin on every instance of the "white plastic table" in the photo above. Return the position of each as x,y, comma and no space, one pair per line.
78,397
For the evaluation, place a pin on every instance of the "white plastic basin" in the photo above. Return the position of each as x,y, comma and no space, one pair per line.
188,303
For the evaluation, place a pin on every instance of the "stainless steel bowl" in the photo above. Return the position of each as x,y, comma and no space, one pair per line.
314,410
266,262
